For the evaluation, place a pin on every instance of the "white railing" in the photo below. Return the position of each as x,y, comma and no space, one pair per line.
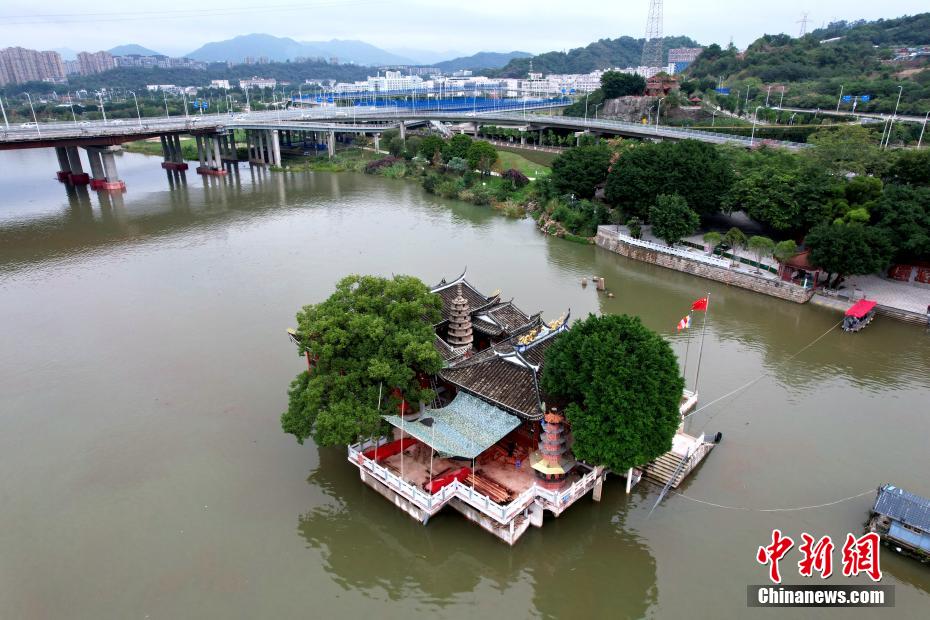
460,490
666,249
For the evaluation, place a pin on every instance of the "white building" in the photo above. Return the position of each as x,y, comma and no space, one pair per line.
257,82
219,84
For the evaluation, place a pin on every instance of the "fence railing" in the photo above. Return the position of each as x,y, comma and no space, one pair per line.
665,249
503,514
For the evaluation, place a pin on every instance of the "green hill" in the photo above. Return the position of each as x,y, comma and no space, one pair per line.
857,56
603,54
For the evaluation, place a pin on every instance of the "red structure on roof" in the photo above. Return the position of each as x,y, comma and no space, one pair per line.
861,308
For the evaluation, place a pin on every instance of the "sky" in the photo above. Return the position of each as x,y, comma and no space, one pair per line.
475,25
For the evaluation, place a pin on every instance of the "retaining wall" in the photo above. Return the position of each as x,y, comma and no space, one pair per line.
609,240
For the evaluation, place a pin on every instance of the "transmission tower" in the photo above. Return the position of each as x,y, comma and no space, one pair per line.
803,21
652,48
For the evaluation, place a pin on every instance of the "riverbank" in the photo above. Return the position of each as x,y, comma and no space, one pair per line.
699,264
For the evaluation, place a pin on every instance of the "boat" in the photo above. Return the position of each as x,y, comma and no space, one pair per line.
902,520
859,315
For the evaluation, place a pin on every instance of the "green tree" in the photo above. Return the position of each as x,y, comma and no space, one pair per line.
636,227
736,240
672,219
910,167
481,156
371,334
616,84
712,239
784,250
694,170
903,213
848,249
457,146
580,170
622,387
458,164
781,190
849,148
761,247
430,146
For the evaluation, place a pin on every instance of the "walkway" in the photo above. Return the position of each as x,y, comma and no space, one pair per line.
891,293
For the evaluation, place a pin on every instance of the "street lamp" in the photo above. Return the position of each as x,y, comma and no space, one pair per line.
840,98
165,95
102,109
922,130
34,117
585,108
71,105
894,115
755,117
658,113
595,109
138,113
6,123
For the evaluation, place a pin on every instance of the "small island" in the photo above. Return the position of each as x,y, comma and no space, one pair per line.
446,396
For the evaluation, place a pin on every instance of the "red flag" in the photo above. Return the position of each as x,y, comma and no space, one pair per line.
700,304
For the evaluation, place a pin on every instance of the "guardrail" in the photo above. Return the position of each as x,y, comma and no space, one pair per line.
503,514
665,249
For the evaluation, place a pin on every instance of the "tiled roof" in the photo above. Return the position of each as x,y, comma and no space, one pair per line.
501,377
910,509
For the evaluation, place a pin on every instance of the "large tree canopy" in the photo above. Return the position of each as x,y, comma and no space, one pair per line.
616,84
580,170
672,219
849,249
371,334
621,386
694,170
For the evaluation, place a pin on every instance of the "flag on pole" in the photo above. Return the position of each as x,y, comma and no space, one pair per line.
685,323
700,304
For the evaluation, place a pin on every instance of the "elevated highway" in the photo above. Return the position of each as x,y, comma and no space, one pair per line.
267,131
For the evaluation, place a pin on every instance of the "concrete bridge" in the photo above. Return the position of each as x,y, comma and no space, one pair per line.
267,131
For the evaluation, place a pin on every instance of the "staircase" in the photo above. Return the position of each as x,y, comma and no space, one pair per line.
441,128
672,468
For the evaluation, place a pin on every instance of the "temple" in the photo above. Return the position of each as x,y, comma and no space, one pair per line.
489,445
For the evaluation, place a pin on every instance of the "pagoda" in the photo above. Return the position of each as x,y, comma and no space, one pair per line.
550,461
460,330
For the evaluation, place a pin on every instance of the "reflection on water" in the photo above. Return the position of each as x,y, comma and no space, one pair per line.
368,546
144,368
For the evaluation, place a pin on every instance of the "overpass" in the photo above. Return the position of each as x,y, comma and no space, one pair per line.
267,131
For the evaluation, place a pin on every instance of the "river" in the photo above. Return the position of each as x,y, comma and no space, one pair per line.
144,367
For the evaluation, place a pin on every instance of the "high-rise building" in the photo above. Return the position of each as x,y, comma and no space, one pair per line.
18,65
96,62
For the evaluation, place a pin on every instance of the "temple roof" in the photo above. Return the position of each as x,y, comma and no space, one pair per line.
490,315
504,377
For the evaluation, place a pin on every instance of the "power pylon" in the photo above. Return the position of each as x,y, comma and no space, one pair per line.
803,21
652,48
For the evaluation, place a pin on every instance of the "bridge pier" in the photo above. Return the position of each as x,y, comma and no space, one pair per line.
331,143
208,152
103,167
77,176
64,166
171,151
377,142
403,131
275,139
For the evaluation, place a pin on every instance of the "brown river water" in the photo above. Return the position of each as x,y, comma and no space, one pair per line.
144,366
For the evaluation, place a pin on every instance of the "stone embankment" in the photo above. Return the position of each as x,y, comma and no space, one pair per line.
699,264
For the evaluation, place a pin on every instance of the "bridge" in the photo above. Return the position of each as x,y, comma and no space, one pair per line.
267,131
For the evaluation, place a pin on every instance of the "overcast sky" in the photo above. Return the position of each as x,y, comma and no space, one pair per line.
467,26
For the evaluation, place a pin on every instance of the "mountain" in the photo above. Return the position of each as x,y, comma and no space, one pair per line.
481,60
426,57
622,52
66,53
282,49
132,48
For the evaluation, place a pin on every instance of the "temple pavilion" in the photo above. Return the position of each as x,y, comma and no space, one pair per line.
489,446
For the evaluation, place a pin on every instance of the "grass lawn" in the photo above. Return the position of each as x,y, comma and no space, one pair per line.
522,162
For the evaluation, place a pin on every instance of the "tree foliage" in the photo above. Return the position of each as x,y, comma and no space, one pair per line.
694,170
784,250
430,146
761,247
848,249
846,149
580,170
616,84
621,386
372,333
457,146
481,156
672,219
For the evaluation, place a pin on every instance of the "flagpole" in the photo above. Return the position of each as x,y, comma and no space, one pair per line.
701,350
378,439
687,353
402,401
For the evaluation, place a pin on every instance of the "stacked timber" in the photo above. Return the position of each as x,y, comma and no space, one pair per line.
497,492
